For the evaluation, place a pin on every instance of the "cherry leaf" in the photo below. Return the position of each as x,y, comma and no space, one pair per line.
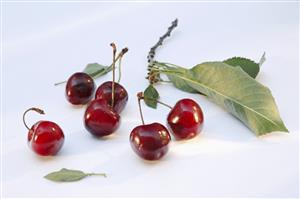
96,70
68,175
233,89
151,96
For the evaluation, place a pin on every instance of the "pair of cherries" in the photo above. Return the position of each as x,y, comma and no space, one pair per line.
101,117
151,141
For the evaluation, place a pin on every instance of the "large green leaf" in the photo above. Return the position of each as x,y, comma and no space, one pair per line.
237,92
178,82
247,65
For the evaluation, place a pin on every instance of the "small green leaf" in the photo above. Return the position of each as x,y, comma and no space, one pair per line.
68,175
247,65
96,70
151,96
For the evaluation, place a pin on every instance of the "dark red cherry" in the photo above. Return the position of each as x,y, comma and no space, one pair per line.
150,141
44,137
99,118
104,91
185,119
80,88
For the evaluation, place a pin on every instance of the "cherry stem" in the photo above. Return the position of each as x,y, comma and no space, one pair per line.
40,111
164,104
120,73
120,56
140,96
160,102
113,45
58,83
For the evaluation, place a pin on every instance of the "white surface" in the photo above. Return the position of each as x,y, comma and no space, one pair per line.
47,42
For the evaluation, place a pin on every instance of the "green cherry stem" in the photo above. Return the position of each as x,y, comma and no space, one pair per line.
120,73
160,102
166,71
164,104
40,111
165,81
140,97
167,64
58,83
120,56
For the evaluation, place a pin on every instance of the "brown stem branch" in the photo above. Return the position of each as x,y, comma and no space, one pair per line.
152,51
160,41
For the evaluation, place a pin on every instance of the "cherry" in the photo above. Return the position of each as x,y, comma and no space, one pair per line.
104,91
185,119
44,137
100,119
149,141
80,88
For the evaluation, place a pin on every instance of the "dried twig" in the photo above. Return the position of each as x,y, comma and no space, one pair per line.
160,41
152,77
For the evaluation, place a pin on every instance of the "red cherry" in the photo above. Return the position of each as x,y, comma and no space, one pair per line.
185,119
44,137
104,91
99,118
80,88
150,141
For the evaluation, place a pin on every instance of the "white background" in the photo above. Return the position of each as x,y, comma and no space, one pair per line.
44,43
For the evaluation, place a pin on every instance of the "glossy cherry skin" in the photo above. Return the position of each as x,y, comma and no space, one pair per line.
80,88
99,118
45,138
150,141
185,119
104,91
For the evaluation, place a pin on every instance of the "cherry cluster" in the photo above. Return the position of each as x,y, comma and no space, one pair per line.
151,141
101,117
